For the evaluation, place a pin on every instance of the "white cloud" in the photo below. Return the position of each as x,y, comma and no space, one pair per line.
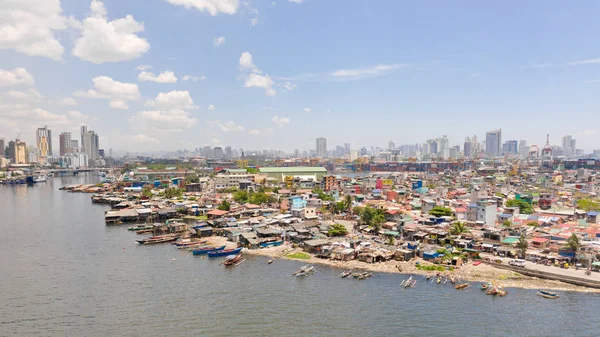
114,91
118,104
109,41
583,62
297,1
211,107
31,94
289,86
193,78
247,63
219,41
307,109
143,67
78,118
226,126
67,101
280,121
214,7
15,77
142,139
358,73
28,26
164,77
259,81
157,120
172,100
254,132
253,22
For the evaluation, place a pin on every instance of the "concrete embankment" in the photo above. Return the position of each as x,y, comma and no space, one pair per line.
549,276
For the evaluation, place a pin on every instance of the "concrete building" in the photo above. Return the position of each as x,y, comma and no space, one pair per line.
64,143
2,147
487,212
321,147
17,151
510,147
91,147
33,155
467,148
43,142
568,145
302,172
493,141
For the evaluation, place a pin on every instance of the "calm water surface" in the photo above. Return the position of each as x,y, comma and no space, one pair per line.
64,273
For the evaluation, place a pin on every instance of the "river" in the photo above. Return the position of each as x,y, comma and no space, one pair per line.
64,273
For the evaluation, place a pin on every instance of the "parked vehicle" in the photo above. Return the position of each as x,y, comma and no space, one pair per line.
517,263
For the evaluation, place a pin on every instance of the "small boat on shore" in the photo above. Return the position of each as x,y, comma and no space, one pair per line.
206,250
462,286
345,274
40,179
408,283
304,271
496,291
270,261
547,294
152,240
271,244
233,260
226,252
144,231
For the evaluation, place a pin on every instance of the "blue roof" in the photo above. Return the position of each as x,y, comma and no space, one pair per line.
473,205
505,215
593,213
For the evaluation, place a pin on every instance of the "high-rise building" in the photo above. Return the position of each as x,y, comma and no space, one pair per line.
83,132
321,147
228,154
17,151
475,146
218,152
568,146
64,143
391,145
510,147
467,148
2,147
44,143
91,146
493,142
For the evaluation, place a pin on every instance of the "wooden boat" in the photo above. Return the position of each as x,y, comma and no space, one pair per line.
496,291
270,261
193,244
149,241
462,286
139,227
364,275
484,286
225,252
304,270
476,263
501,292
345,274
144,231
271,244
439,280
232,259
547,294
206,250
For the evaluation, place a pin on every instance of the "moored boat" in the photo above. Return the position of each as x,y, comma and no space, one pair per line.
140,227
206,250
345,274
148,241
462,286
547,294
232,259
226,252
271,244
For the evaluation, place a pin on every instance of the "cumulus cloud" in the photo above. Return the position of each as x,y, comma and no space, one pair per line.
297,1
280,121
307,109
358,73
143,67
211,107
118,104
164,77
226,126
254,132
247,63
114,91
172,100
193,78
289,86
158,120
28,26
79,118
30,94
213,7
15,77
260,81
109,41
219,41
67,101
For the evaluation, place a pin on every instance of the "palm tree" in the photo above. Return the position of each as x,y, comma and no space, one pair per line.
573,244
522,244
348,203
459,228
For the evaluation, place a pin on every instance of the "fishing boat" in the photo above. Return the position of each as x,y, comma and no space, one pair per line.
496,291
139,227
271,244
148,241
270,261
40,179
144,231
462,286
225,252
304,270
439,280
408,283
231,260
345,274
206,250
364,275
547,294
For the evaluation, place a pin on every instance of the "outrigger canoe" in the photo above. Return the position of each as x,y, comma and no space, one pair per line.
206,250
226,252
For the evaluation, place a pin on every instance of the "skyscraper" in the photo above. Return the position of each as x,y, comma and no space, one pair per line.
91,146
568,145
321,147
2,147
467,148
493,141
83,132
44,143
510,147
17,151
64,143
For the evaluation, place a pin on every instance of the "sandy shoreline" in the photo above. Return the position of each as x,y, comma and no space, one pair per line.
480,273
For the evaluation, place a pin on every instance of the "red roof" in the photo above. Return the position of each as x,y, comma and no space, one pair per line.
461,210
392,211
251,206
540,240
217,212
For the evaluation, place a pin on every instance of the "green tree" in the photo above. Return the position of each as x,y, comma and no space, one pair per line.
252,170
348,202
524,207
522,244
532,223
192,179
573,244
506,223
439,211
173,192
224,206
340,207
337,230
260,198
147,191
588,205
241,197
391,241
458,228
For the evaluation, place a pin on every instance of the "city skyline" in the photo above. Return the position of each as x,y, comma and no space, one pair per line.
290,86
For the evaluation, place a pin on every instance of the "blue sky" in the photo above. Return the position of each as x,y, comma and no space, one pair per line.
285,72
